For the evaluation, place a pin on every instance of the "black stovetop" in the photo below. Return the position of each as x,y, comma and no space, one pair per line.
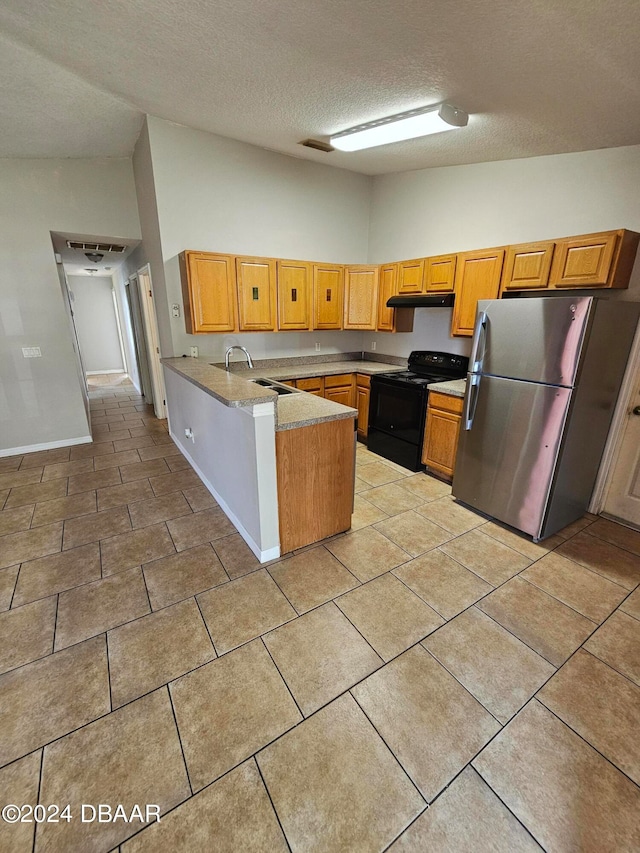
426,366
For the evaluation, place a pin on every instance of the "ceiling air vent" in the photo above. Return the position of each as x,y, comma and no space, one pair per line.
318,144
97,247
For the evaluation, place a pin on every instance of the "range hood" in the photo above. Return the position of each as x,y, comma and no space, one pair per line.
419,300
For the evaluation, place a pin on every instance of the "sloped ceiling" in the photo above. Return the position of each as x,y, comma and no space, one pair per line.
537,76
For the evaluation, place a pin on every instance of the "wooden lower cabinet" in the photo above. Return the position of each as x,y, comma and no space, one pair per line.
340,388
313,385
444,416
363,384
315,467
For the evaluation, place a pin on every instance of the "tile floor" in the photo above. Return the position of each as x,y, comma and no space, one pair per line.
429,681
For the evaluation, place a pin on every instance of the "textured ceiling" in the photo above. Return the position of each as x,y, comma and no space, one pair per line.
537,76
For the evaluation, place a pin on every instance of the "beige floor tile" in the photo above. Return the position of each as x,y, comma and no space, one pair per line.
199,498
617,643
4,494
495,667
125,493
22,495
431,724
335,785
100,525
365,513
156,649
10,463
311,578
378,474
26,633
177,463
7,585
632,604
443,583
199,527
96,607
520,541
125,457
48,698
360,485
603,557
244,609
600,705
13,479
45,457
392,499
617,534
229,709
145,513
466,818
486,557
131,756
67,469
320,655
180,576
132,443
48,575
576,526
135,548
235,811
62,508
19,784
388,615
236,556
413,533
88,451
546,625
175,482
587,592
448,513
426,487
93,480
143,470
15,520
367,553
30,544
569,797
159,451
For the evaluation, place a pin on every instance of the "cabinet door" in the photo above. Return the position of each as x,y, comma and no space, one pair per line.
439,274
362,405
314,385
526,267
477,277
361,297
411,276
584,261
208,290
328,283
441,441
387,284
294,295
256,294
340,395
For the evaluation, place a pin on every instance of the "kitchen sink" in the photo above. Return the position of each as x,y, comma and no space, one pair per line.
275,386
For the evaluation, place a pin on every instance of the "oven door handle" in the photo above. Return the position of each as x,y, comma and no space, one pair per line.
471,402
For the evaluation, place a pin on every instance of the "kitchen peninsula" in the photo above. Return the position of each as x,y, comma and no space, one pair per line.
281,463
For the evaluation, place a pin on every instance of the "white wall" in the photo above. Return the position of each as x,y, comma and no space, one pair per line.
41,399
216,194
95,319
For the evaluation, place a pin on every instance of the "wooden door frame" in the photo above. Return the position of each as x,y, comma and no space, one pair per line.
616,432
145,290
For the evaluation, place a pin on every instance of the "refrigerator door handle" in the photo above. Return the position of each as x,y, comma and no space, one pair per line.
479,335
472,400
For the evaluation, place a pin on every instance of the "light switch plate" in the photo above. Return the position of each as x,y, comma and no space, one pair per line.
31,352
194,352
175,310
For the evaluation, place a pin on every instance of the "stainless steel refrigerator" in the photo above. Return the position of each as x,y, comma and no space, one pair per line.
544,378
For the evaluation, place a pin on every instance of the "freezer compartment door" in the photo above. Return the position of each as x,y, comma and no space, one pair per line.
508,449
538,340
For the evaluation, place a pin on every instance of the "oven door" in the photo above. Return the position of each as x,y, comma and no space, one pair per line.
397,410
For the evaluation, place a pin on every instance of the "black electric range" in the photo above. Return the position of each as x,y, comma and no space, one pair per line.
398,405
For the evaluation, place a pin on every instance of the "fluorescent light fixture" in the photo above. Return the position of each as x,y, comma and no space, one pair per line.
419,122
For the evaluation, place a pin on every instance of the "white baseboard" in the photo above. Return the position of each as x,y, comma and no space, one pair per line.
101,372
47,445
263,556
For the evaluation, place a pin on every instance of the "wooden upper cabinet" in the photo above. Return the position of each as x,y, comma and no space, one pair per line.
361,297
439,274
411,276
527,266
594,260
387,287
294,295
477,277
328,286
256,294
208,292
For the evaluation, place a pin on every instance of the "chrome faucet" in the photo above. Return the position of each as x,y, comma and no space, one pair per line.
228,353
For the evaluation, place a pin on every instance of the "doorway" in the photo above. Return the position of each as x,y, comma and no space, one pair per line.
145,290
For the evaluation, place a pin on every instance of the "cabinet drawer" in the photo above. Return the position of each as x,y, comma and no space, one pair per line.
313,385
446,402
363,380
338,381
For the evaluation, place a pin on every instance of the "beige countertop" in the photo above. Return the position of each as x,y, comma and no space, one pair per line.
455,387
329,368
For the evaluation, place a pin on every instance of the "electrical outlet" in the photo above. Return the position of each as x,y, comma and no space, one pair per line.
317,346
31,352
373,345
193,352
188,433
